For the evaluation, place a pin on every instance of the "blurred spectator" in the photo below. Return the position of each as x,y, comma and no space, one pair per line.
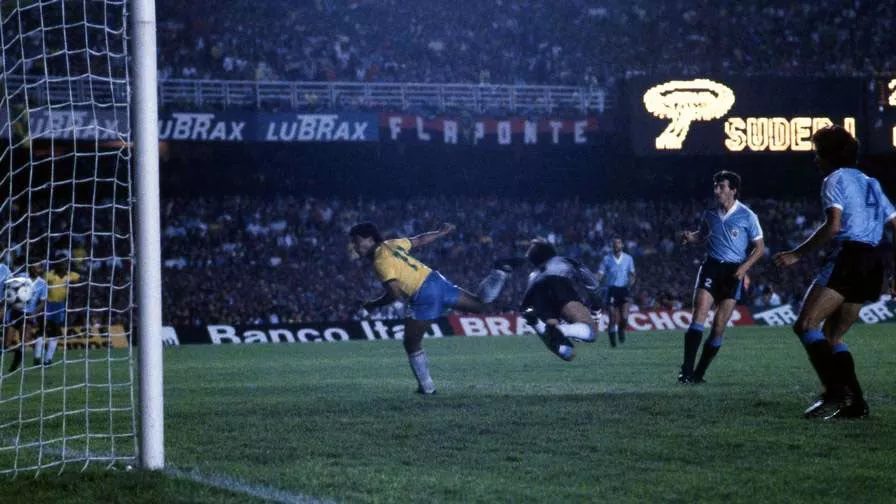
520,41
467,41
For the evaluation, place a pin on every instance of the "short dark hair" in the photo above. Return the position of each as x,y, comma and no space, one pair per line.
732,178
366,230
540,251
836,145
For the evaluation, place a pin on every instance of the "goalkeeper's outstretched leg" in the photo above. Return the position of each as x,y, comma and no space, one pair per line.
551,304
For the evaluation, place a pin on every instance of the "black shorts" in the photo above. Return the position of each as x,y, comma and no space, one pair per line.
856,272
618,296
718,278
549,295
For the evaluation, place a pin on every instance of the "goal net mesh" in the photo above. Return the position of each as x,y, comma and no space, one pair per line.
65,201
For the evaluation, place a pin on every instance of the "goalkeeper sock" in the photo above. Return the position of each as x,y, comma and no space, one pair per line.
492,285
51,349
579,330
420,367
692,339
38,349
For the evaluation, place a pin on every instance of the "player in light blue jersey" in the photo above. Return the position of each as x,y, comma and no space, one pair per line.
618,269
26,319
734,243
856,211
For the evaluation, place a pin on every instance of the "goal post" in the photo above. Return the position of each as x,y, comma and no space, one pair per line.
79,199
149,254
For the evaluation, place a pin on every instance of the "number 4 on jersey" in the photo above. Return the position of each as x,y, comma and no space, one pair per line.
871,199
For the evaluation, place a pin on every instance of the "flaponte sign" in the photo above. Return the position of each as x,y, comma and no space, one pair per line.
718,116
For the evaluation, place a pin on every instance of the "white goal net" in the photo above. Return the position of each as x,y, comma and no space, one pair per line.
67,381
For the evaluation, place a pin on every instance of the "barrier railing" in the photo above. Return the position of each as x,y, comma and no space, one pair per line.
287,96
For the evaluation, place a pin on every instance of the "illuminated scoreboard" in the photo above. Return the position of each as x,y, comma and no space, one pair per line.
739,115
882,127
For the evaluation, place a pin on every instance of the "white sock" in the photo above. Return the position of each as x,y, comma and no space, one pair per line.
39,348
540,327
492,285
51,348
580,331
420,366
565,351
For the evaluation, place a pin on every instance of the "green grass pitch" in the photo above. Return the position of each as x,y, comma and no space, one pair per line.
512,423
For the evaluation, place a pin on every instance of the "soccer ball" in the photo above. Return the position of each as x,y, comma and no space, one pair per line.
18,292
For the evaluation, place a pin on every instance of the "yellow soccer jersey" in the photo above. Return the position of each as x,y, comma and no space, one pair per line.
57,285
392,262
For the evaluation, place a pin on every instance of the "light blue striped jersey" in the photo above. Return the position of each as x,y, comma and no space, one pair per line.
616,269
864,205
38,294
728,235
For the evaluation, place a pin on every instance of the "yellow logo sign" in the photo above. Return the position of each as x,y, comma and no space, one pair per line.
685,102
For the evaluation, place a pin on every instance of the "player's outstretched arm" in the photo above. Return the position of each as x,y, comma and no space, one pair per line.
392,293
423,239
825,233
688,237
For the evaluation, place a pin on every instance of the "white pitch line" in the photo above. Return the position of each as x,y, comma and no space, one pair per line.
235,485
214,481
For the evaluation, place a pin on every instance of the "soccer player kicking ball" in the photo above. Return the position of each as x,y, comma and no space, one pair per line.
551,297
856,210
730,230
428,293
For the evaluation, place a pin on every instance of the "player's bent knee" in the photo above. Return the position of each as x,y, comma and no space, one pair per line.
579,330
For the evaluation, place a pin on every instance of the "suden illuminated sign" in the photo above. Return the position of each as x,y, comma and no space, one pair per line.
683,102
891,101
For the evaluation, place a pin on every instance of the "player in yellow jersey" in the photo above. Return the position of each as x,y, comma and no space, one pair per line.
58,283
426,291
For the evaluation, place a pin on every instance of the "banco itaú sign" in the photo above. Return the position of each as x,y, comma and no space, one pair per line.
685,102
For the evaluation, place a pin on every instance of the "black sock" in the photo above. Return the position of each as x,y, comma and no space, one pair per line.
692,339
16,359
822,359
710,350
612,336
622,332
845,372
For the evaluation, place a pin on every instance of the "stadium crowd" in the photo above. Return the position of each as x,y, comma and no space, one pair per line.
579,42
286,259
